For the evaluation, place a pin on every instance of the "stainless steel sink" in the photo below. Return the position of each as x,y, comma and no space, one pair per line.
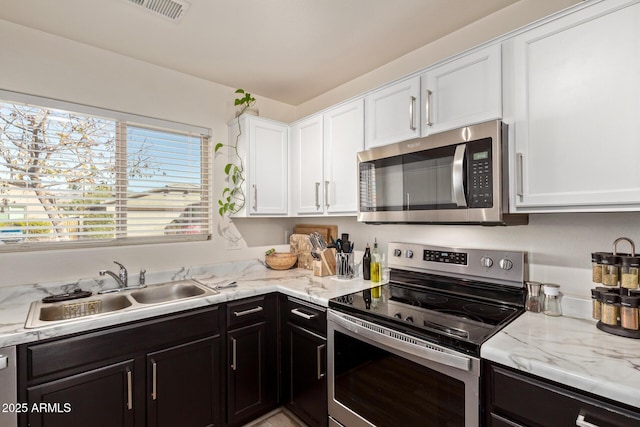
44,314
83,307
167,292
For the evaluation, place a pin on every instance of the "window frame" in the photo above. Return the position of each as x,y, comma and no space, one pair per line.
126,119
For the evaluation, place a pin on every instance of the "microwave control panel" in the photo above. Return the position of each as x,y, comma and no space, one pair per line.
480,174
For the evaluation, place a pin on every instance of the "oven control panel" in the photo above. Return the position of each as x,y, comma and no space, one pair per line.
504,267
448,257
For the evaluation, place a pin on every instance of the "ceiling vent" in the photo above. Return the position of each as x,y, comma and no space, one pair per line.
171,9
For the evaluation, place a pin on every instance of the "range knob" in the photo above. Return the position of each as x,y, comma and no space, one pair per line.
398,316
409,319
506,264
397,252
486,262
409,253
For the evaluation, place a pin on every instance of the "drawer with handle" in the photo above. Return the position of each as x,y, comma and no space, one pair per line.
307,315
245,311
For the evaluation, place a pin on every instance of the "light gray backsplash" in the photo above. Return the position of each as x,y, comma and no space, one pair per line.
559,246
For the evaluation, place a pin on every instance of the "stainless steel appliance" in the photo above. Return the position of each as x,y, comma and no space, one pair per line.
412,356
8,388
459,176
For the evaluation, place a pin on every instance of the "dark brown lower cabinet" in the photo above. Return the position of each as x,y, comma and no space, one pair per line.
184,386
252,358
100,397
159,372
512,398
305,361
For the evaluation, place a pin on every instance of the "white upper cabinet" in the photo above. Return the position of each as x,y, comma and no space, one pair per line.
343,138
462,92
324,175
576,102
307,183
264,146
393,113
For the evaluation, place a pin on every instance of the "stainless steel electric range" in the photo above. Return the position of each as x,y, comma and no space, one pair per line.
412,355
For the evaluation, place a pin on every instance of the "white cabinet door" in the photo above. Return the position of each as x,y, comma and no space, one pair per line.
462,92
576,109
268,165
393,114
343,139
307,187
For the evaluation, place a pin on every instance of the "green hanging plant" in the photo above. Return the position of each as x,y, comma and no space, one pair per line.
233,197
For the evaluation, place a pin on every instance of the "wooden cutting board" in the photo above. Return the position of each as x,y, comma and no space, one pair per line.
326,231
299,244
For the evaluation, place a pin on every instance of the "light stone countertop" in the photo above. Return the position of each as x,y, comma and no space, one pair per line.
252,278
570,351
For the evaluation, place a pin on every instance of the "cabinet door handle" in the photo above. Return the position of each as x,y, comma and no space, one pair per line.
427,108
519,175
233,355
412,101
4,362
129,390
255,197
317,196
250,311
303,315
154,380
326,194
580,422
319,358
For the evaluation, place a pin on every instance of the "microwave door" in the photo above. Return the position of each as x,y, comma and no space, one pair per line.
428,180
457,176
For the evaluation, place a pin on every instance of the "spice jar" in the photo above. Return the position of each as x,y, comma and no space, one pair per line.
596,267
629,312
610,270
534,300
629,271
610,308
552,297
596,300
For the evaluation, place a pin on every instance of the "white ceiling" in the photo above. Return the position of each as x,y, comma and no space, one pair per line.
287,50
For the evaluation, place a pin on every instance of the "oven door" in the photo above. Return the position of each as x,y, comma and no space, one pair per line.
380,377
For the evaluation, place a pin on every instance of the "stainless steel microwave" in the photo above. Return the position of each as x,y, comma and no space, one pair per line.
455,177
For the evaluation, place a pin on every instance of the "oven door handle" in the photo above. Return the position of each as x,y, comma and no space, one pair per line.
402,342
457,176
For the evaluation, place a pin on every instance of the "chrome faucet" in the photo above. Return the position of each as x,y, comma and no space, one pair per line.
122,278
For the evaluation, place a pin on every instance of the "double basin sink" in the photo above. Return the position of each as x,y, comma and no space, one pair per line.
44,314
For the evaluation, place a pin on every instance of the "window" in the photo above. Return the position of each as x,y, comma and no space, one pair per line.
73,175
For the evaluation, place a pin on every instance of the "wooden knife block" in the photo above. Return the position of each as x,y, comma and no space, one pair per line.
326,265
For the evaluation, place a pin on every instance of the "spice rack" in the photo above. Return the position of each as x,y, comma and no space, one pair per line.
616,305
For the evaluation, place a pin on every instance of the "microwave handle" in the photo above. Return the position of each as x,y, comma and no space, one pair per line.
457,176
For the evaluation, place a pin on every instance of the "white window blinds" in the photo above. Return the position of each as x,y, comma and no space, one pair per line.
78,178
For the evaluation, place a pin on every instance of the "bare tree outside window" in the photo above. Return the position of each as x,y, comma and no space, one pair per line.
65,160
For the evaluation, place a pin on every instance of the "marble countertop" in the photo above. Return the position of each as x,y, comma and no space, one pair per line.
570,351
252,278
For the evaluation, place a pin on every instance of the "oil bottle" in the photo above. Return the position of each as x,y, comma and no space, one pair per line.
375,270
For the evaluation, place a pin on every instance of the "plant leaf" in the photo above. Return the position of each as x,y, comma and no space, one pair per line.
219,145
227,168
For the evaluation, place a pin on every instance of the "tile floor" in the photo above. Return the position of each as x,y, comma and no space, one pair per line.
278,418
